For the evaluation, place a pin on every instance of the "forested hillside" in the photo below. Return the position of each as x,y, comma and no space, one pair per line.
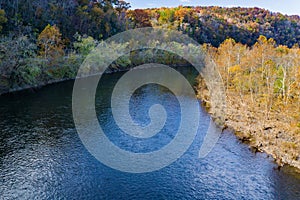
103,18
215,24
98,19
46,40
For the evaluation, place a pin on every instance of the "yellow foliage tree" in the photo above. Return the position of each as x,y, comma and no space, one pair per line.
229,54
181,12
50,43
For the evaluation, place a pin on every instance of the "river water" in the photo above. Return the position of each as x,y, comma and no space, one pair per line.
42,156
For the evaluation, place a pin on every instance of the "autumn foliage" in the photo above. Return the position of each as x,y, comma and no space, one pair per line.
262,85
50,43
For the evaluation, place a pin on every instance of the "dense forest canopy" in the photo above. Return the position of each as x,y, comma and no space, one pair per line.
215,24
44,40
99,19
103,18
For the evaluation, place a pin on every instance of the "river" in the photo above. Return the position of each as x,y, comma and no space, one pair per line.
42,156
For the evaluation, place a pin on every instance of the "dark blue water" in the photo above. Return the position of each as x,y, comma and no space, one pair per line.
42,157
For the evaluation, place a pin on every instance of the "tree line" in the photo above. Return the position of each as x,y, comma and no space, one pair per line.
103,18
215,24
42,40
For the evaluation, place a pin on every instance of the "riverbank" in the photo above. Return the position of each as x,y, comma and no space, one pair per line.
274,133
38,71
110,70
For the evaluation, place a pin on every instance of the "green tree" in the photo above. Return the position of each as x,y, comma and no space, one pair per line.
84,44
18,63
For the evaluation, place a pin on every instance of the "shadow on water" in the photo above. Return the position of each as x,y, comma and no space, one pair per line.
42,156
